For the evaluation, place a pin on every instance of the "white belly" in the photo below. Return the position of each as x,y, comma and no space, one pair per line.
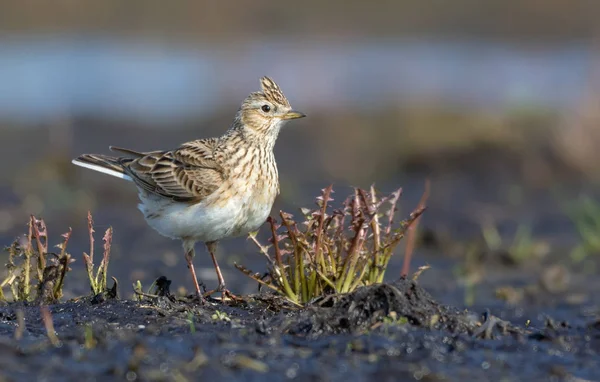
204,221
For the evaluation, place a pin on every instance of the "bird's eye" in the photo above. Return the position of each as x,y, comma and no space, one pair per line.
266,108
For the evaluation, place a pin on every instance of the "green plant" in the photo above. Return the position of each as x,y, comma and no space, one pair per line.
191,322
220,316
522,247
138,291
49,325
585,214
393,319
89,341
29,254
97,280
336,250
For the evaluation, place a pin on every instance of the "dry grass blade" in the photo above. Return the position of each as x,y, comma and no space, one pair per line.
255,276
419,271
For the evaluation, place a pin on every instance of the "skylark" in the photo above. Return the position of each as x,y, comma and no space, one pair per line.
209,189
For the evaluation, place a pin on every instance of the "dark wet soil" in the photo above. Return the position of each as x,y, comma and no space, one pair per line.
394,331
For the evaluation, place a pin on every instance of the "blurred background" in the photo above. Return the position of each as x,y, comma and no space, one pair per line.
496,102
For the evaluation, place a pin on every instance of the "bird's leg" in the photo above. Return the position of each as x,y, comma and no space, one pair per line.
188,247
212,248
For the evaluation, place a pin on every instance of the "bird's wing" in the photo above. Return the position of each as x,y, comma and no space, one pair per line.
189,173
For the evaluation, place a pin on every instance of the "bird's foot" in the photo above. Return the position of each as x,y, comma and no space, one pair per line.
199,298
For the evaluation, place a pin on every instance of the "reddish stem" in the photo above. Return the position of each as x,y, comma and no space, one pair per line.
411,235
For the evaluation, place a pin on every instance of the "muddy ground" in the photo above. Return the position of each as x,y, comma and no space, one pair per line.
393,331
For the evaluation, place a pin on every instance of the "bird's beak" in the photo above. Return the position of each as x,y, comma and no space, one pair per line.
293,115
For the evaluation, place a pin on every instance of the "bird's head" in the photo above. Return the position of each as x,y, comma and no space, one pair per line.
265,112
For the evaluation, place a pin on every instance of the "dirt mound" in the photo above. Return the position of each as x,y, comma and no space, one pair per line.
363,309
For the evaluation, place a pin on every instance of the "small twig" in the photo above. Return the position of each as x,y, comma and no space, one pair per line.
143,294
264,249
421,269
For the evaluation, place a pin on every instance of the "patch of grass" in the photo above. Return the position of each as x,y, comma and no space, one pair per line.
470,273
332,250
585,214
521,248
32,267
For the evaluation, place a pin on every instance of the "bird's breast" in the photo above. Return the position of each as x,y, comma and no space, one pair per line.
255,206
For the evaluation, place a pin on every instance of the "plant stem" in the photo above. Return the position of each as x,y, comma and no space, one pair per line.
411,238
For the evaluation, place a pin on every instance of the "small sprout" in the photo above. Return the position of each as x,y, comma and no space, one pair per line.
220,316
89,340
523,246
138,291
49,325
393,319
585,215
191,322
98,280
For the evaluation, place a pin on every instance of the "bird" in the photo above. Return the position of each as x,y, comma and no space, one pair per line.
209,189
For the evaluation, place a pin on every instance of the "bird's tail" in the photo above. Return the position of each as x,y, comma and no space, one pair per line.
102,163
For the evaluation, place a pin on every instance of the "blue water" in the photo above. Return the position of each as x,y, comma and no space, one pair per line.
50,77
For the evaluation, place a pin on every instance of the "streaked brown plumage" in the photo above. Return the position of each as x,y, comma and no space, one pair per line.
213,188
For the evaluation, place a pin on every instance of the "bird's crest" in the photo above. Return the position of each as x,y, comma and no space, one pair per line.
272,92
